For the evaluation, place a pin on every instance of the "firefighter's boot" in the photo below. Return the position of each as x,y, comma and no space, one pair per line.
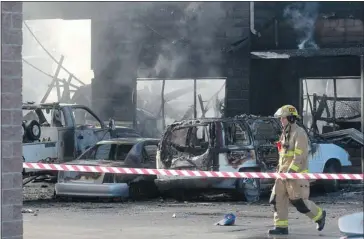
321,222
278,231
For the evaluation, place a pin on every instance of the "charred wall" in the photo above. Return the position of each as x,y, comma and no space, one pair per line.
332,25
276,82
170,40
284,25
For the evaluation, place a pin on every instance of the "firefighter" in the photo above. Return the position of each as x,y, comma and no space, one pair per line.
293,152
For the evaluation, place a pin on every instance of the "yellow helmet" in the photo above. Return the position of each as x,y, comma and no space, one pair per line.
285,111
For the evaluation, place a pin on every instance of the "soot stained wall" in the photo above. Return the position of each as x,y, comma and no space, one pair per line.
276,82
136,42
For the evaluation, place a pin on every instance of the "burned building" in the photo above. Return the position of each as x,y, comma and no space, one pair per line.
263,49
305,40
269,53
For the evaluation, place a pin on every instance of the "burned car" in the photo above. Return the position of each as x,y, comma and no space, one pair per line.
58,133
121,152
244,143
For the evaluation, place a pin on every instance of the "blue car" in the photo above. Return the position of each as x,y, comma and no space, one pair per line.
118,152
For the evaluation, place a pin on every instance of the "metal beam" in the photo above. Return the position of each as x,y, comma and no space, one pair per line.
362,107
54,81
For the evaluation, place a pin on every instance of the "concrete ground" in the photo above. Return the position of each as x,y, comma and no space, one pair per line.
154,219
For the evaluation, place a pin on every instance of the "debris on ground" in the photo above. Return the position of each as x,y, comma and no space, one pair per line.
27,211
229,220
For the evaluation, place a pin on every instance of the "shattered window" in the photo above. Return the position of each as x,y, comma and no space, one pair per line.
237,135
83,117
103,152
199,136
264,130
179,137
151,151
122,151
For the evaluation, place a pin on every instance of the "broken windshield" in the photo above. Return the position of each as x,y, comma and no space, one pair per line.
236,134
114,152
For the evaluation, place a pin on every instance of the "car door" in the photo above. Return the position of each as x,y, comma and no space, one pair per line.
148,154
265,133
88,129
238,142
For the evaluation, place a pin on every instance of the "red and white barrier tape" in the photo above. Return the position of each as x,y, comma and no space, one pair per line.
189,173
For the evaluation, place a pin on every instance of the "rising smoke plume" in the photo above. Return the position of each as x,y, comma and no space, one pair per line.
194,25
302,16
157,52
160,52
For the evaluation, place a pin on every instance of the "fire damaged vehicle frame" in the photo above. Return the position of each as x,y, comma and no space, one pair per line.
244,143
120,152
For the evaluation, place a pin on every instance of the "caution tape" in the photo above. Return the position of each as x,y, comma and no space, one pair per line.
189,173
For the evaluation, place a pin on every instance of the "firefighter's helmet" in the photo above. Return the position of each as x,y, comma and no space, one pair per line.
286,111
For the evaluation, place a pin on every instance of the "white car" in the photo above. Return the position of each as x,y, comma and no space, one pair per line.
352,225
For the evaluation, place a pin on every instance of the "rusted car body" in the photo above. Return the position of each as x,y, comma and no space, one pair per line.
121,152
224,145
64,131
244,143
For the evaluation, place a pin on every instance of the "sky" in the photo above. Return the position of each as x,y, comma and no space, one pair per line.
70,38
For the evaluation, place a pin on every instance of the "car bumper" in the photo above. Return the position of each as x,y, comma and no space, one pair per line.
168,183
165,183
92,190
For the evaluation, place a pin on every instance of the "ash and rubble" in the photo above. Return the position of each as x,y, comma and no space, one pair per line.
40,195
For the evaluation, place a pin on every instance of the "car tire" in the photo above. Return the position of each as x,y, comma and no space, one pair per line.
179,195
248,189
143,190
333,185
33,130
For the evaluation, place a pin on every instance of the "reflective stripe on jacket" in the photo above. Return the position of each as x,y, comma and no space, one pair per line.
294,157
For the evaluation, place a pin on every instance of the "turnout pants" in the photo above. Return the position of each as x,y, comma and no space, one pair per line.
296,192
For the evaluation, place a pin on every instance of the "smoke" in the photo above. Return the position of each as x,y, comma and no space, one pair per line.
170,39
60,37
193,26
302,16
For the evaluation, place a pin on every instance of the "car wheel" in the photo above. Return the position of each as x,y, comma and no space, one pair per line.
248,189
135,191
179,194
143,190
333,185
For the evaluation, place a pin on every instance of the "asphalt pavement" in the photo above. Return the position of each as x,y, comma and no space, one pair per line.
170,219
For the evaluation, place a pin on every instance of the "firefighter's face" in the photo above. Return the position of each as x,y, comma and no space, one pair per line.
284,121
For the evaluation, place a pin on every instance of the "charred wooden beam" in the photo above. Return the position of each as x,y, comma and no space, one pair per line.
292,53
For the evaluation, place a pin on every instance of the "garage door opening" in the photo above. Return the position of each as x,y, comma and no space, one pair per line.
161,102
329,104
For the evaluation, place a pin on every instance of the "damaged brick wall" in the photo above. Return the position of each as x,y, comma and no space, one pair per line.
237,67
11,116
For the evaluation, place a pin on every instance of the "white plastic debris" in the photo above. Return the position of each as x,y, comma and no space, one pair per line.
174,215
27,211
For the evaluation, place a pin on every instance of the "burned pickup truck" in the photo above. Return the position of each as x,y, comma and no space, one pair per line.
244,143
57,133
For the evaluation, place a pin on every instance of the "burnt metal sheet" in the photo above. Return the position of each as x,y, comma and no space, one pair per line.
305,53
